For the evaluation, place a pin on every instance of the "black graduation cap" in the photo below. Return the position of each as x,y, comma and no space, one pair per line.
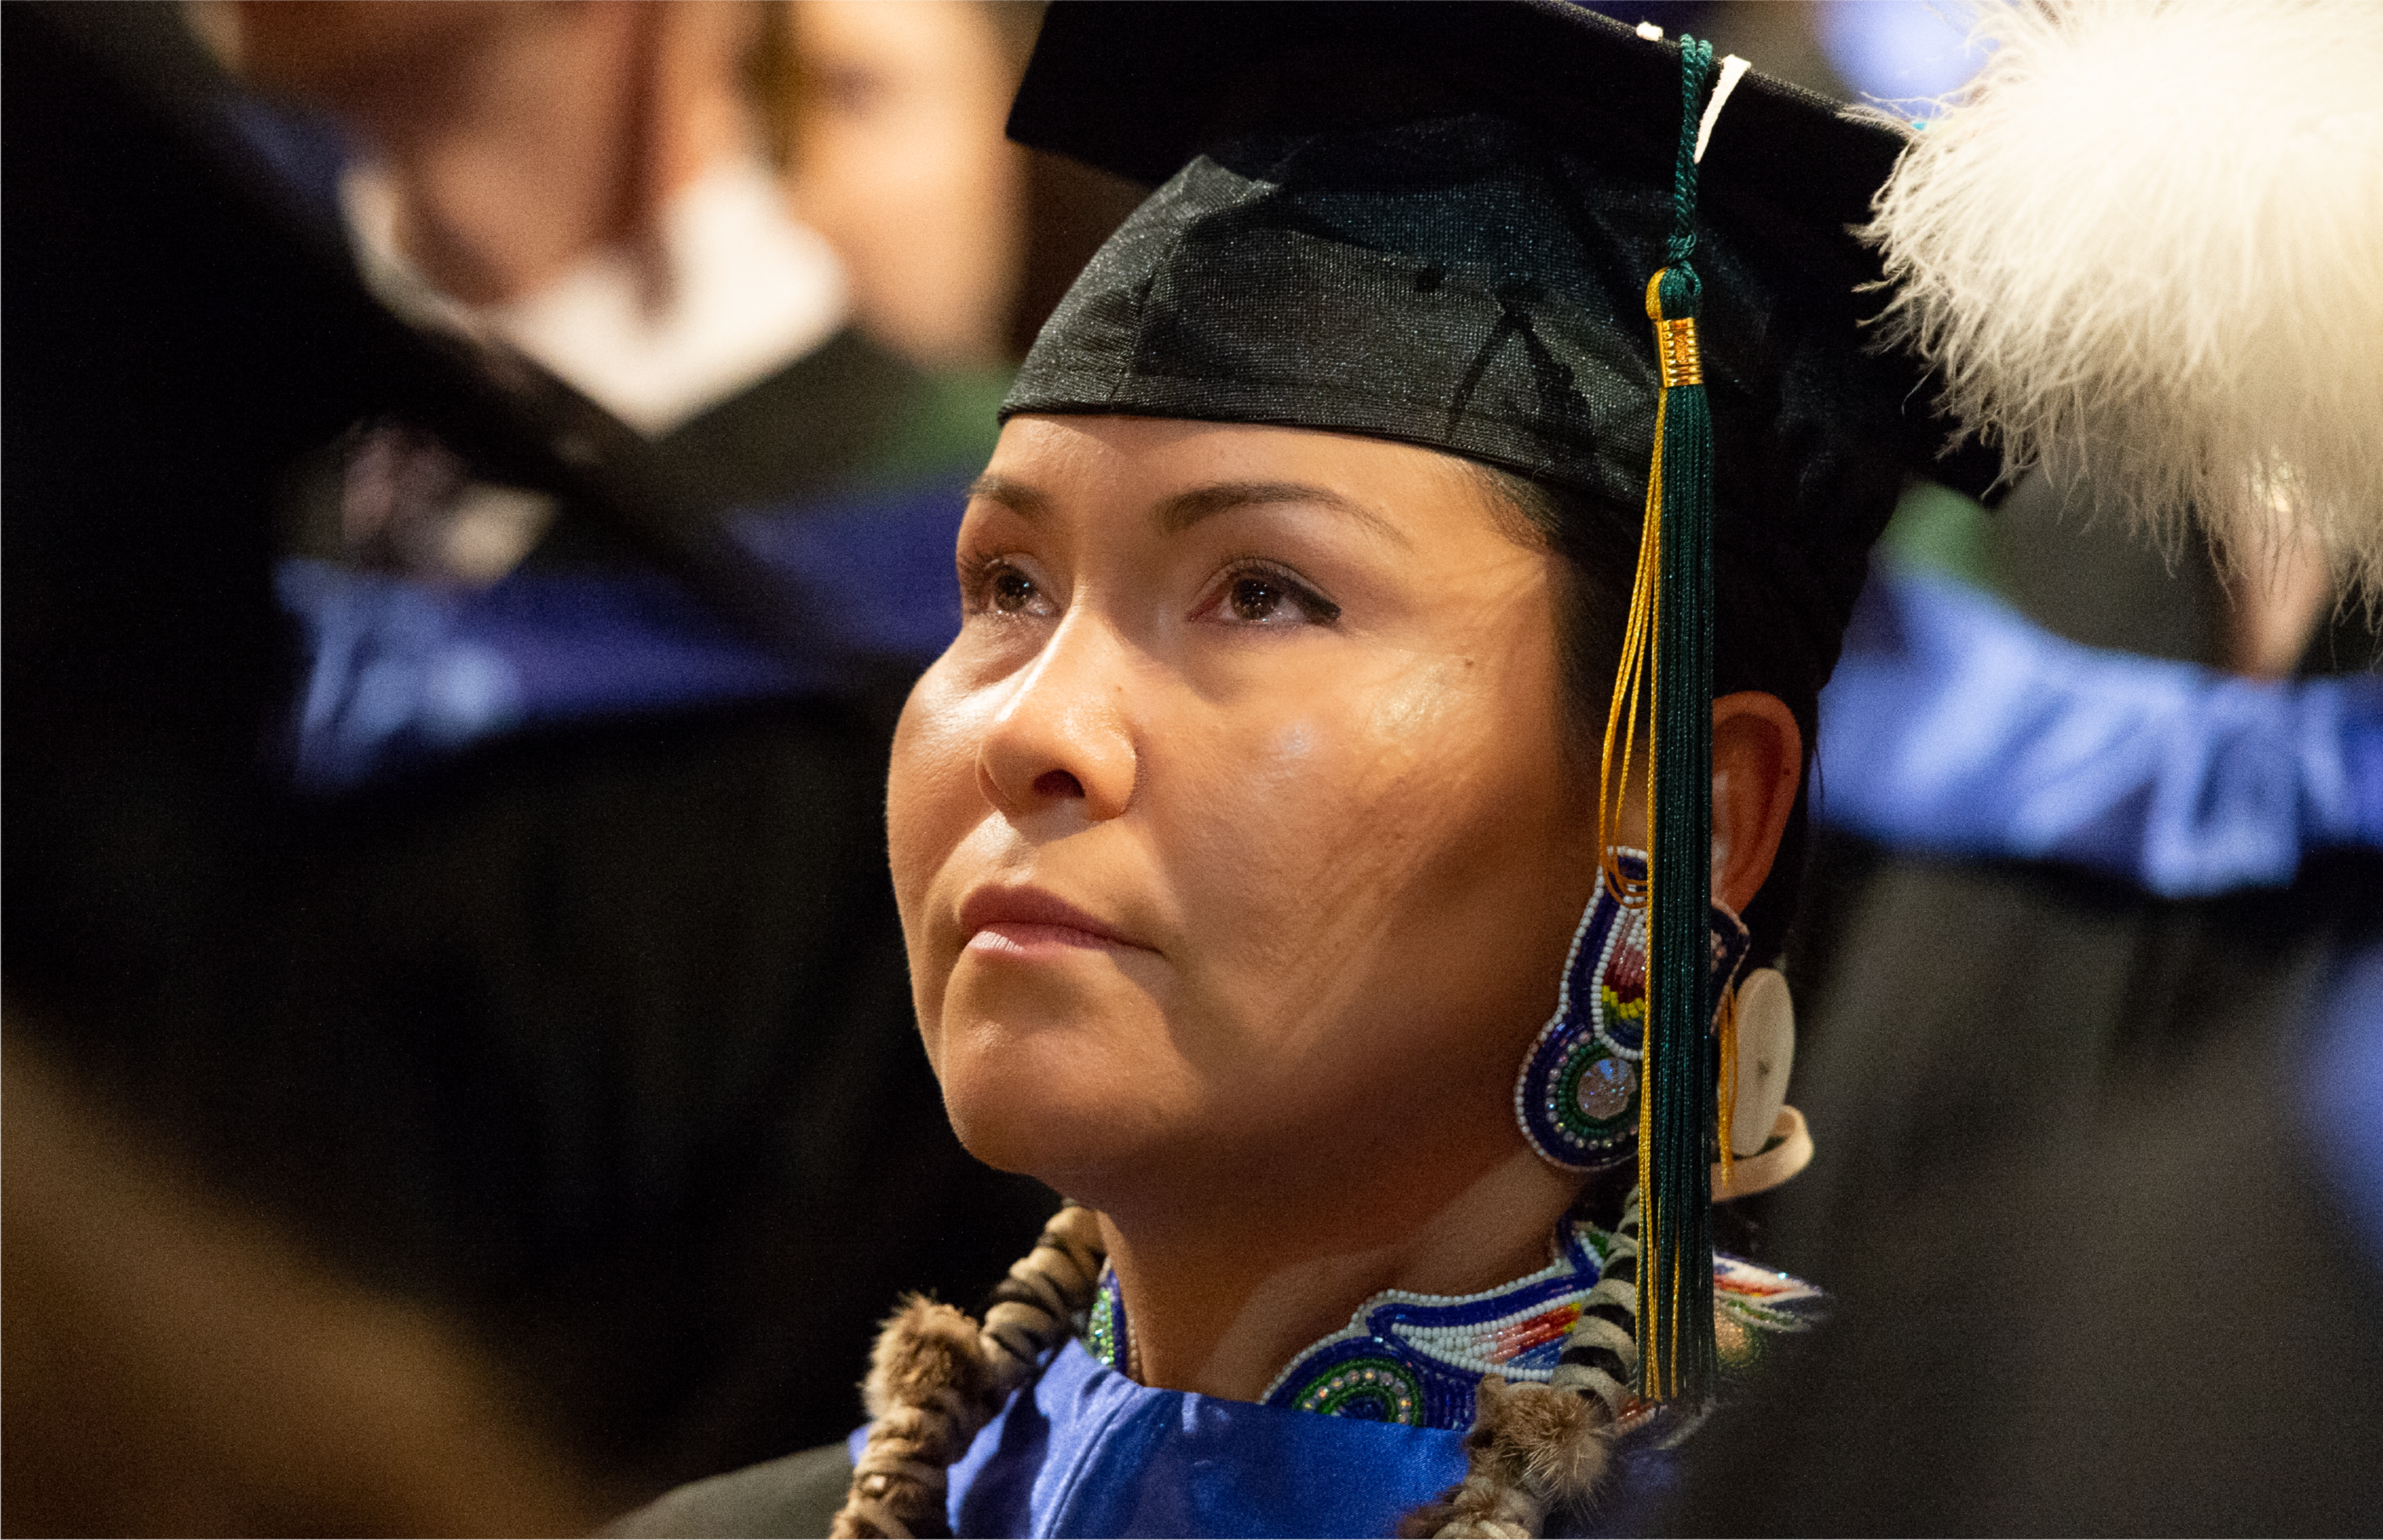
1139,91
1473,285
1435,222
1443,224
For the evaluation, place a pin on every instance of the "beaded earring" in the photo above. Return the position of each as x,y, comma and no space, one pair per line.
1576,1097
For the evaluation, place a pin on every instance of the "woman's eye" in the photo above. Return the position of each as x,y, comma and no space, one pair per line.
999,587
1257,599
1267,598
1011,591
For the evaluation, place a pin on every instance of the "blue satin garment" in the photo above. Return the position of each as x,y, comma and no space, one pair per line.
1956,726
398,674
1089,1452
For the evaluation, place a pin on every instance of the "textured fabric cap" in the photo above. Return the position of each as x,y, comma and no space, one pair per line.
1458,283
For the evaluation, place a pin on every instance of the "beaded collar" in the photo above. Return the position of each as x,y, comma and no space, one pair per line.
1415,1358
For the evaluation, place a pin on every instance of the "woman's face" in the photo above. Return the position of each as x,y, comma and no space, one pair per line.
1236,834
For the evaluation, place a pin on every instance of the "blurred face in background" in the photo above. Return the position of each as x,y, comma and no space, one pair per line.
900,163
351,54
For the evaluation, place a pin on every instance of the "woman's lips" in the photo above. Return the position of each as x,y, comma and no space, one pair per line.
1026,922
1012,940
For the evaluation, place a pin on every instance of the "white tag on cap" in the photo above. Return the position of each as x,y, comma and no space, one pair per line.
1732,69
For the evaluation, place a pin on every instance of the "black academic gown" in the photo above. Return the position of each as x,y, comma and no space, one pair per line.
1948,1004
2154,1316
2074,1191
617,1024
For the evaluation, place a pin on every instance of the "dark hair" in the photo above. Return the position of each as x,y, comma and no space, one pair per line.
1598,544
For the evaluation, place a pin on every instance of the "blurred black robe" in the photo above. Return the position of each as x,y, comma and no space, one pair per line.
602,1036
2099,1268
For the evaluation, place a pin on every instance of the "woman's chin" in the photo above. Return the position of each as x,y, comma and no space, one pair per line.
1046,1107
1057,1072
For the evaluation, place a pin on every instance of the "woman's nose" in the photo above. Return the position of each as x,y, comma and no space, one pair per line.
1064,737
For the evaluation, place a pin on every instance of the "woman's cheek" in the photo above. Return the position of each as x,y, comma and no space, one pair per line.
931,803
933,778
1288,836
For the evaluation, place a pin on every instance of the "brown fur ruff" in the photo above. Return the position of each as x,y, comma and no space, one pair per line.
1533,1451
936,1377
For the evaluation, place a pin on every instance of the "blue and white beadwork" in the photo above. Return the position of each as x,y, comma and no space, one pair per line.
1576,1099
1439,1346
1416,1358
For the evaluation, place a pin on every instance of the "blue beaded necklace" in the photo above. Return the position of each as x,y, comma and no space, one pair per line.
1414,1359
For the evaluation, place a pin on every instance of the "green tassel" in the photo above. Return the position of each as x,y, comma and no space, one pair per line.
1676,1310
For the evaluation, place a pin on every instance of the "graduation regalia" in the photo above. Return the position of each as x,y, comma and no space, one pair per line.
1449,226
2051,820
1361,1428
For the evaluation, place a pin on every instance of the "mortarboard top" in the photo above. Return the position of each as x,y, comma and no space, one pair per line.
1139,89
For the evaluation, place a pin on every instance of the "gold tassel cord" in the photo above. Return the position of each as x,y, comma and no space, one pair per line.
1728,1108
1633,682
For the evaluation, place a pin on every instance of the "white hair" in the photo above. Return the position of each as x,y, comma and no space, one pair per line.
2146,244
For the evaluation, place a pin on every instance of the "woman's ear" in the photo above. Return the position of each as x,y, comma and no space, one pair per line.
1758,760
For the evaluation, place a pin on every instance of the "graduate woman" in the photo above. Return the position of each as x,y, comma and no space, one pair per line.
1446,446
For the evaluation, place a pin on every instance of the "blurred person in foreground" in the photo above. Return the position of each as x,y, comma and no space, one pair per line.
180,1364
2103,1036
182,1355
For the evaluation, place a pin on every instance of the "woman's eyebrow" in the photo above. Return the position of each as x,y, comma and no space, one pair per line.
1182,511
1016,496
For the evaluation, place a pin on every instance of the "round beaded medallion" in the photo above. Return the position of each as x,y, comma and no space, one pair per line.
1371,1389
1596,1088
1577,1096
1100,1334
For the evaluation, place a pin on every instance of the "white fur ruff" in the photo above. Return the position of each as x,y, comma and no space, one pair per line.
2147,242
